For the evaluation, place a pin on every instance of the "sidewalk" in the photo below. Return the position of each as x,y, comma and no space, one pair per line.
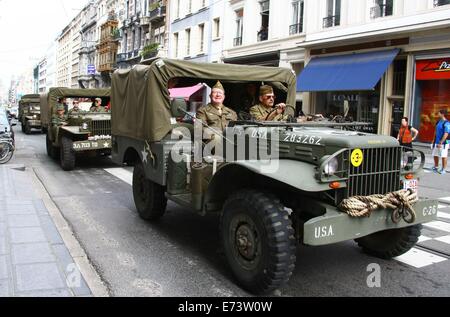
429,160
34,258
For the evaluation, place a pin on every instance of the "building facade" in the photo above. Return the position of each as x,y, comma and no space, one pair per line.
416,82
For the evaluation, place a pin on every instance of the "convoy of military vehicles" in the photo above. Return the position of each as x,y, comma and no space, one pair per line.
274,185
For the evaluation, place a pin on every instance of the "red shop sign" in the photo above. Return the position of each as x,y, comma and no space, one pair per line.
433,69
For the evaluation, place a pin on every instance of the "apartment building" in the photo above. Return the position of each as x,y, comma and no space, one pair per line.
42,76
64,58
196,30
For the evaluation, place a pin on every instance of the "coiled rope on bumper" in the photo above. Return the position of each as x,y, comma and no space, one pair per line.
401,202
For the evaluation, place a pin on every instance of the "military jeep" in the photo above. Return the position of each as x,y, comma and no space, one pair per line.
30,113
84,133
268,204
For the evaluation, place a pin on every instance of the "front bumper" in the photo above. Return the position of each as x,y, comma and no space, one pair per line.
335,226
35,123
82,146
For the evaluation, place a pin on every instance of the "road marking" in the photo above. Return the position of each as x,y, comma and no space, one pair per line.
125,174
424,238
443,215
445,239
443,206
419,259
445,199
440,225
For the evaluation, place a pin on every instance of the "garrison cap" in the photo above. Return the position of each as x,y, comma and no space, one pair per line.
219,86
265,90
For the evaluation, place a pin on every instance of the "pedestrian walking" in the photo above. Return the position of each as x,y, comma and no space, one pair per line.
441,143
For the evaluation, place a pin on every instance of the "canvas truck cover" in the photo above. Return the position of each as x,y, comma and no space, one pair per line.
26,99
140,99
50,99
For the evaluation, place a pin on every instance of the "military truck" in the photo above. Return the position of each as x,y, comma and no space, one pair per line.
84,133
30,113
265,211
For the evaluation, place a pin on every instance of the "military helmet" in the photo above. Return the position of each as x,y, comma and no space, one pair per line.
60,107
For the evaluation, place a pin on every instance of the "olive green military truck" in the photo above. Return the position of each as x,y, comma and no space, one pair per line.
30,113
83,132
275,185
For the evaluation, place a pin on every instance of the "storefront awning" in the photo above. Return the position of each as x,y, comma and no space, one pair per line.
345,72
185,92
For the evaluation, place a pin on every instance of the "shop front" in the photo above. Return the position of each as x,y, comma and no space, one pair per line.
431,94
348,85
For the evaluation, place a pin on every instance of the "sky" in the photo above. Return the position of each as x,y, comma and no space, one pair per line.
27,28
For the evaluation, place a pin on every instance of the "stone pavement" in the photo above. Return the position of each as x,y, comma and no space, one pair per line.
34,260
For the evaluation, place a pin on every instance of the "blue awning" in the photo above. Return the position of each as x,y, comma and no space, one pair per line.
345,72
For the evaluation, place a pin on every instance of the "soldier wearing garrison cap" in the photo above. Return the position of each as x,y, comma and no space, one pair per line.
265,110
215,114
59,118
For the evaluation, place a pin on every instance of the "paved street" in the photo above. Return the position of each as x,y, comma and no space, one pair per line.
180,256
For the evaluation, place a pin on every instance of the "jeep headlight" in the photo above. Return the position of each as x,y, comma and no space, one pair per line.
85,126
331,167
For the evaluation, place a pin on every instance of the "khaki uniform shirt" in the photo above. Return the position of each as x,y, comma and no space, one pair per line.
211,116
97,109
74,111
261,113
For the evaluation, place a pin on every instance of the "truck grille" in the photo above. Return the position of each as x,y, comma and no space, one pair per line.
100,127
379,173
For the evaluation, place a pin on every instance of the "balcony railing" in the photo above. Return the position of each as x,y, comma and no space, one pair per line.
237,41
296,29
263,35
438,3
381,10
122,57
158,14
331,21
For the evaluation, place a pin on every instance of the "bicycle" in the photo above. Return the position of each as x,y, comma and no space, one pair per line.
6,147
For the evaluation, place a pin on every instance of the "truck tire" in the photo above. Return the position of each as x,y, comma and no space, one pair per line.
67,155
258,240
22,125
390,243
27,128
149,197
52,151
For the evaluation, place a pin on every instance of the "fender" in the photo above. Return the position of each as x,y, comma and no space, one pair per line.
233,176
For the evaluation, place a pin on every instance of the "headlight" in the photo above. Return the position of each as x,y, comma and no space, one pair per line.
331,167
34,116
85,126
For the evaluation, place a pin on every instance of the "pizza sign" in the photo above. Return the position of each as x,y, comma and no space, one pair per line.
433,69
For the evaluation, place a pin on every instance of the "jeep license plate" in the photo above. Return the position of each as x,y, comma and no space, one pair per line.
411,184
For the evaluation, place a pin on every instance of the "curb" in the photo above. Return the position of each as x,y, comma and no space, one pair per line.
78,254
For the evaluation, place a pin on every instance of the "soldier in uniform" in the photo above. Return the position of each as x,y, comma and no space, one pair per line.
97,106
59,118
265,110
215,114
76,109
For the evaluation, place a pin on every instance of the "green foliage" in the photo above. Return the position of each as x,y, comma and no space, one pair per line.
149,49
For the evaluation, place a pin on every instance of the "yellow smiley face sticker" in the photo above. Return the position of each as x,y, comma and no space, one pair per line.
357,158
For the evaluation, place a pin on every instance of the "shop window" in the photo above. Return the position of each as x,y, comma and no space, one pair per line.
432,93
360,106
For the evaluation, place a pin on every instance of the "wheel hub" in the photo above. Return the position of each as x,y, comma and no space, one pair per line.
246,242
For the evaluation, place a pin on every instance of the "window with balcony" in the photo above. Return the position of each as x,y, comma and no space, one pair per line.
333,17
201,31
216,28
438,3
263,33
382,8
188,42
239,27
176,42
297,25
